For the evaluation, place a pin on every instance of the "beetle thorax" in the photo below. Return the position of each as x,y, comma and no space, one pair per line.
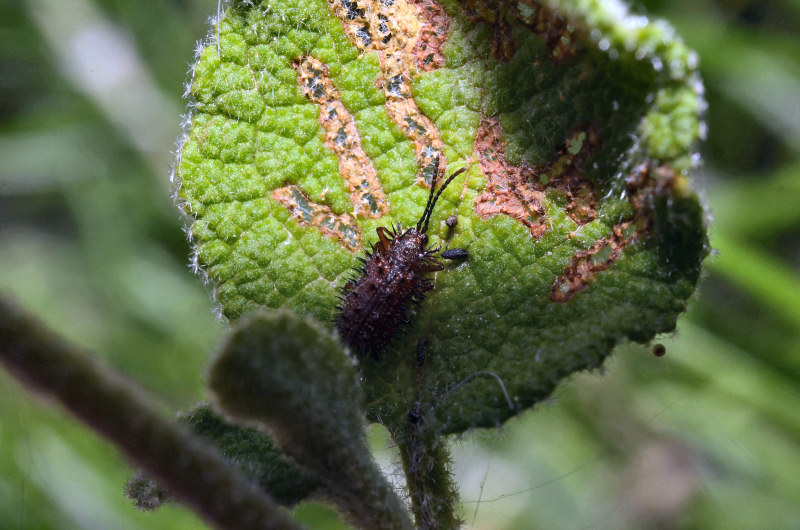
409,247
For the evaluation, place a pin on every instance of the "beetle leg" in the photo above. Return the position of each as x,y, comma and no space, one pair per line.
433,265
384,238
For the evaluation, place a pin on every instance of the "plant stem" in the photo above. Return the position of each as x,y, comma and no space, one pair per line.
284,372
426,462
193,472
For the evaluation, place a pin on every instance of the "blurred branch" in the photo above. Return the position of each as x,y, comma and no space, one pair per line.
191,471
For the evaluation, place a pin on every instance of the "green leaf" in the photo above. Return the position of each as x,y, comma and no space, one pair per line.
314,123
255,454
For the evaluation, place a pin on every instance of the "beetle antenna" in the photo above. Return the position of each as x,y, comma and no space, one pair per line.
427,209
426,215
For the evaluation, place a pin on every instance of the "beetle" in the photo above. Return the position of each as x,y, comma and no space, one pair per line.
375,303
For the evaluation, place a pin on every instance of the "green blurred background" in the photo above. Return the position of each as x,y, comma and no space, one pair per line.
706,437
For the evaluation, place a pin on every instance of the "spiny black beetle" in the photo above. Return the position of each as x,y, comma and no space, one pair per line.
375,302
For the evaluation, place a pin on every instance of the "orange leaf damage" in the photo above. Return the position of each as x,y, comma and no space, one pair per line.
427,53
402,34
641,187
342,138
518,191
340,227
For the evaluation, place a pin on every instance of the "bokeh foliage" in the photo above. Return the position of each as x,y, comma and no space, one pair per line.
90,241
